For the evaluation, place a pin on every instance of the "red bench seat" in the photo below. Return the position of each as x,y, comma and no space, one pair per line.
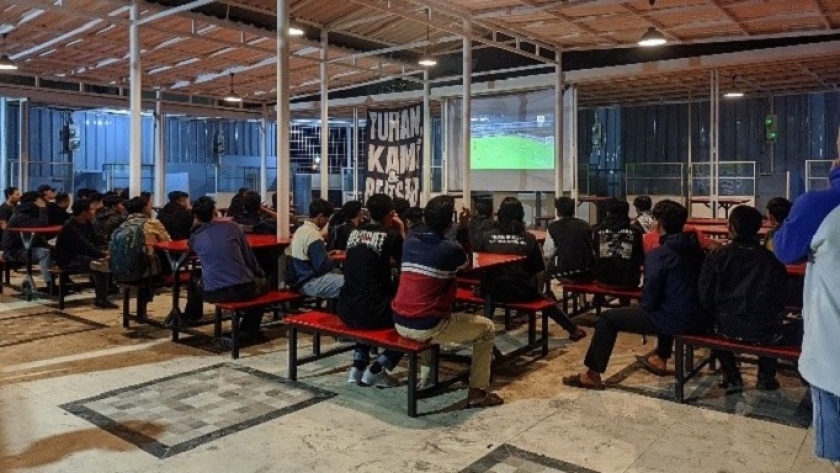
267,299
572,289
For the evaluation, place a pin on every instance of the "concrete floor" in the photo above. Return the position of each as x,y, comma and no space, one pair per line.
78,393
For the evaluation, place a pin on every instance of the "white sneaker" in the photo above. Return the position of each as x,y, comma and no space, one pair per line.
380,380
355,376
425,377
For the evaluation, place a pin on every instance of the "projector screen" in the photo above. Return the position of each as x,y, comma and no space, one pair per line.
511,146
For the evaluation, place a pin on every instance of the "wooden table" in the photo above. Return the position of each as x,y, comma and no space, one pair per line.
722,231
27,235
482,261
725,203
700,222
547,219
540,234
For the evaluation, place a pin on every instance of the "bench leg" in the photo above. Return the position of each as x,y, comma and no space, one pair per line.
544,334
679,371
507,318
435,365
217,323
565,300
412,384
293,353
234,335
126,301
532,328
316,344
62,280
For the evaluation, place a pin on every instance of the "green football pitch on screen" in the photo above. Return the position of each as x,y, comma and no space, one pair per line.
511,152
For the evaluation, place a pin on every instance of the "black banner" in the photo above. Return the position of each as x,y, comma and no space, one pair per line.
395,152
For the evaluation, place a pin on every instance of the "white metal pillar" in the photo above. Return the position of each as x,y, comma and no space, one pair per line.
466,115
325,118
558,128
264,155
160,152
135,166
4,142
283,119
355,144
573,139
714,104
690,171
426,185
23,146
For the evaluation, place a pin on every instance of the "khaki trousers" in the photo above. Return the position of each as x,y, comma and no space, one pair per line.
469,329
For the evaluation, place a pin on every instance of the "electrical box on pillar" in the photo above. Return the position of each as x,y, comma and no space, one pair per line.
70,137
771,127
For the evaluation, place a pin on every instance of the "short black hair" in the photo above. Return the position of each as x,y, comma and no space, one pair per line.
414,215
136,205
565,206
9,191
438,213
146,195
511,216
84,192
243,190
670,215
642,203
779,208
80,206
400,206
745,221
29,197
320,207
379,206
484,207
112,201
204,209
124,194
62,197
94,196
352,208
617,207
251,202
175,196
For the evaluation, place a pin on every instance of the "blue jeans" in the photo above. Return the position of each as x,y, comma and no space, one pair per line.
40,255
327,286
388,358
826,424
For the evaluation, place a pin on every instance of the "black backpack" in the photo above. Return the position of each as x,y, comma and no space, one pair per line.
129,261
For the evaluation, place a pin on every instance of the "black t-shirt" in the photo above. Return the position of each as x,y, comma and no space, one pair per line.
365,300
512,283
5,214
340,235
619,253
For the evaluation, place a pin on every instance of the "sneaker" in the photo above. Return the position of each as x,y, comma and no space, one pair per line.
425,377
732,386
105,304
767,384
380,380
355,376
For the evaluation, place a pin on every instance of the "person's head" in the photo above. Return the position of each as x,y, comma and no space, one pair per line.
95,199
413,216
124,194
204,209
617,207
511,216
744,222
484,208
180,197
251,202
139,205
84,192
352,210
242,191
12,195
778,209
114,202
147,196
320,212
83,210
670,216
379,206
438,214
30,197
400,206
642,203
565,207
47,192
62,199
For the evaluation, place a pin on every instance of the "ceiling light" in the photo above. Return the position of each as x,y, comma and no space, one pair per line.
6,63
295,31
652,37
734,92
427,60
232,97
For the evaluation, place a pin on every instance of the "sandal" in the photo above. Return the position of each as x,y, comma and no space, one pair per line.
648,366
579,334
576,382
489,400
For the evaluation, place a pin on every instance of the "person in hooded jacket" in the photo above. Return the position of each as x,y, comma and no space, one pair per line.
670,303
176,216
31,212
108,218
618,247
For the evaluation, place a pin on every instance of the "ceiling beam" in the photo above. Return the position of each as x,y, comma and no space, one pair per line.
730,16
173,11
816,76
571,21
530,10
826,19
650,21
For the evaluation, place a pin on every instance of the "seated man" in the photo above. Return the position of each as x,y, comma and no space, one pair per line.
778,209
76,248
254,218
57,210
108,218
369,287
229,270
236,206
670,304
12,195
518,282
311,267
414,220
743,287
618,247
481,222
570,241
423,304
642,204
176,216
350,217
31,212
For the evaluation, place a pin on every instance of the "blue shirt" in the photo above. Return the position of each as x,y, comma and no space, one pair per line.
792,240
226,259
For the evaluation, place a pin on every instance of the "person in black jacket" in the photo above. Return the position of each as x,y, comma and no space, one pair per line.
670,303
57,210
518,282
481,222
236,206
343,223
618,247
176,216
569,246
108,218
76,247
31,212
743,287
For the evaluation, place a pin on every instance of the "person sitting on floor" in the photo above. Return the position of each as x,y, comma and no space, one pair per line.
778,209
229,269
76,247
342,225
618,247
644,219
669,305
743,287
31,212
57,209
369,287
423,304
481,222
568,247
518,282
311,268
176,216
108,218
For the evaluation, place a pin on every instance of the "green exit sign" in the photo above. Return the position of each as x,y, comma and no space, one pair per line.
771,127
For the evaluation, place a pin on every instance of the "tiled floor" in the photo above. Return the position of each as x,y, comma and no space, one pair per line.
78,393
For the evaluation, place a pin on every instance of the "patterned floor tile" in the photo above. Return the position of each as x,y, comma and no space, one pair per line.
178,413
509,459
40,326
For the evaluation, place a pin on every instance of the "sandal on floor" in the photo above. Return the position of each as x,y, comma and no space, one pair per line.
580,334
576,382
648,366
489,400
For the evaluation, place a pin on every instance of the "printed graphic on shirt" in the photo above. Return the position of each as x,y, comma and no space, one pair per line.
371,239
507,239
616,244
